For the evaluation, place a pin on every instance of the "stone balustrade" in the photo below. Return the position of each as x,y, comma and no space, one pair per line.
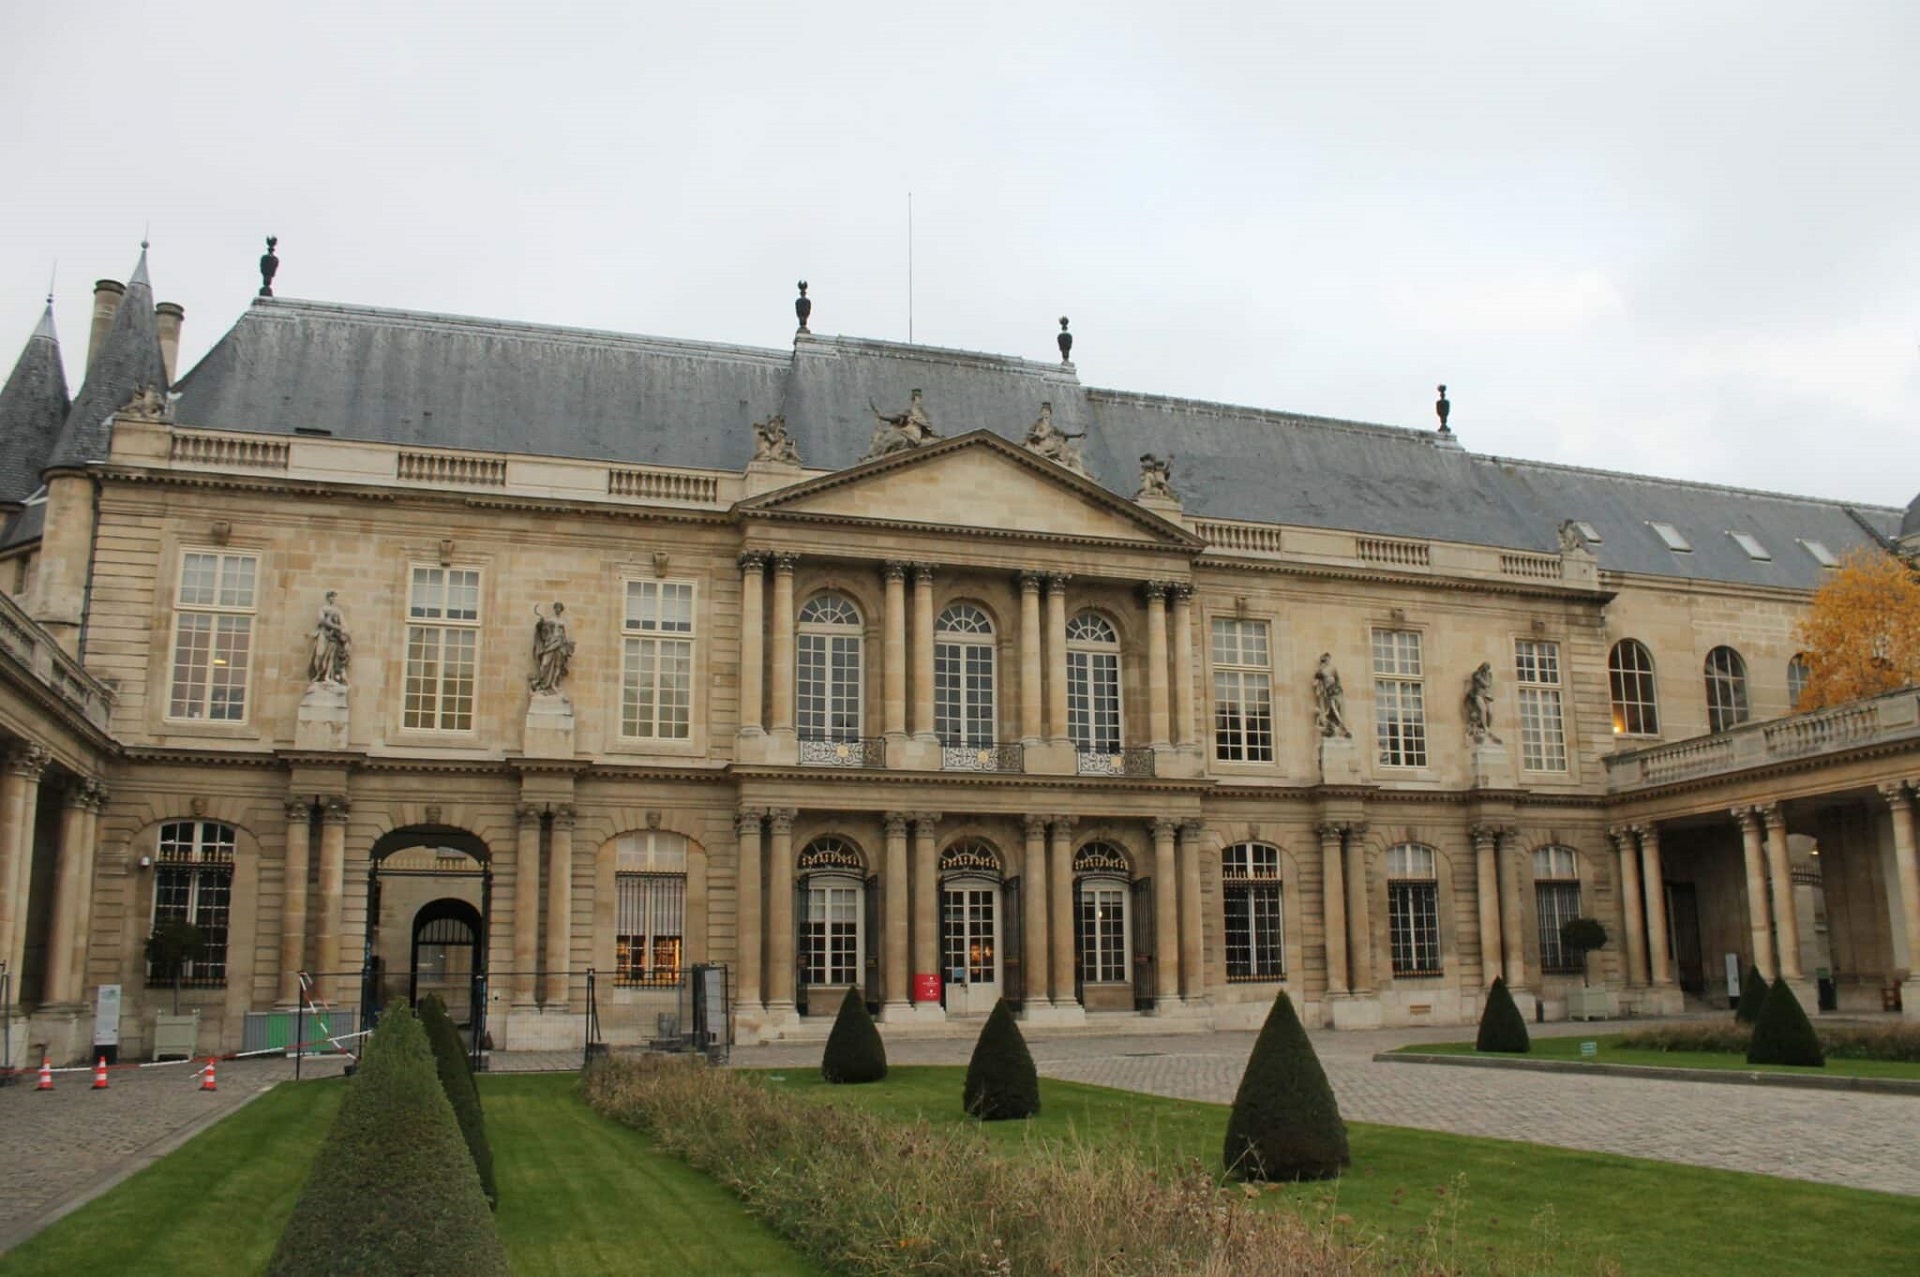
1894,716
52,666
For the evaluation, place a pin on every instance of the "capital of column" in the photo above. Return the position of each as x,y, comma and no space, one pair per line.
1154,591
923,574
925,822
1057,582
299,809
1035,826
1182,592
1486,837
1895,792
896,823
1356,830
894,571
1163,827
780,819
783,563
529,813
1622,836
1063,824
75,794
1771,813
1330,831
1191,828
95,793
748,819
29,760
1648,833
1747,817
753,562
1030,582
335,810
563,817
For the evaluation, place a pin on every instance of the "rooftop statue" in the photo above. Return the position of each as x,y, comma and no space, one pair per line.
771,442
900,431
1054,443
1156,479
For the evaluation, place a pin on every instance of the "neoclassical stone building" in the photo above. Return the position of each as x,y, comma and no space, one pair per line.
420,645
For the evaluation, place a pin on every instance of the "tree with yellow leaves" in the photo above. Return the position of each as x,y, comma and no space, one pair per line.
1862,635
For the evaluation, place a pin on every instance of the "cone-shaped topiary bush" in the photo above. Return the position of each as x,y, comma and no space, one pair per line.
1783,1034
1001,1082
1285,1123
393,1192
1502,1027
1753,995
854,1051
456,1079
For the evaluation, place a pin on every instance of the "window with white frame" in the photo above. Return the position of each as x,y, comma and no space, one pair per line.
650,908
1799,673
656,681
213,636
1242,692
1543,733
828,652
1103,931
1250,896
1093,684
1556,897
443,647
1726,689
1413,910
834,915
193,884
963,657
1399,699
1636,711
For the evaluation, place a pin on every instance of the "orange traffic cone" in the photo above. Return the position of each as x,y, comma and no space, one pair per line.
100,1075
206,1076
46,1075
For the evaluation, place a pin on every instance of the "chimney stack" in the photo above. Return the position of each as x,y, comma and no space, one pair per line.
167,317
106,300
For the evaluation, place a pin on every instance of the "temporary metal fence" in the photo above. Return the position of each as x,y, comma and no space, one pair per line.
700,1021
6,1026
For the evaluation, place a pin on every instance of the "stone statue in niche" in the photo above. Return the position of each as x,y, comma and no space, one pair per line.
1329,699
1156,479
332,646
552,650
1054,443
1480,705
901,430
771,442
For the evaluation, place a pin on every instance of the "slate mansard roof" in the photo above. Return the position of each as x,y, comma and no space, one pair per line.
432,380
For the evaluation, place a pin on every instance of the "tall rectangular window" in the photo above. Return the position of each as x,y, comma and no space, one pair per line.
833,932
656,683
1242,692
650,924
1103,933
1399,699
443,644
1250,897
1543,736
1413,910
193,884
213,636
1556,898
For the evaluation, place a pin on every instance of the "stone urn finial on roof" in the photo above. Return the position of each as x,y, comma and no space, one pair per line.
1066,342
802,307
269,266
1444,409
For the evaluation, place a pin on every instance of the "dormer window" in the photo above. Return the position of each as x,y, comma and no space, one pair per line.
1751,544
1671,535
1821,554
1588,531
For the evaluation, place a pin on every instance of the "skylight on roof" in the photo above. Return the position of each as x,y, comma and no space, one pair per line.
1671,535
1821,554
1587,530
1752,546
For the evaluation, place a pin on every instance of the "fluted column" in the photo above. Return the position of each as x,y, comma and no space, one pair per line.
1033,903
782,940
1193,969
1786,918
1653,884
1057,661
57,986
1166,915
293,899
526,906
1513,917
19,808
559,907
1906,910
780,702
1487,894
926,895
923,651
1359,925
1333,904
1157,730
1759,914
1031,697
753,640
747,829
893,698
1060,867
895,975
1183,733
333,894
1631,905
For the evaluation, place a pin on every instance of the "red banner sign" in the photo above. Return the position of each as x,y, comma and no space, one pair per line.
926,988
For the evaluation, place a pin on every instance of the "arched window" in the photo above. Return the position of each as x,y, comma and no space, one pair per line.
1799,671
827,675
1250,895
1101,887
1093,684
193,884
1630,676
1726,689
970,925
963,678
1556,898
832,939
1413,909
650,892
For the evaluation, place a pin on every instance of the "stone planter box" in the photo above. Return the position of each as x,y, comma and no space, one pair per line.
1589,1004
175,1037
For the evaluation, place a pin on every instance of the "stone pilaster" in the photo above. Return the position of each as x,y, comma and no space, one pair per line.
1166,917
560,910
1654,887
747,829
1786,917
894,973
293,898
926,907
1033,870
1158,731
1632,905
327,946
1193,971
1759,910
781,937
753,638
1487,898
1333,896
526,906
1031,697
19,809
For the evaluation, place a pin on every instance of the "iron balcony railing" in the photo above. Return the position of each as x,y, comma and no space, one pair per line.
862,751
998,757
1134,762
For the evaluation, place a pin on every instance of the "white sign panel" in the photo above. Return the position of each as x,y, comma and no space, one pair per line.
106,1016
1733,975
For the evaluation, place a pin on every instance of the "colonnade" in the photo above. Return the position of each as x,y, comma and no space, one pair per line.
83,798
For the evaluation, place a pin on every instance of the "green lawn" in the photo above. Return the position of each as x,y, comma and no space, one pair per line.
1483,1205
578,1195
1611,1052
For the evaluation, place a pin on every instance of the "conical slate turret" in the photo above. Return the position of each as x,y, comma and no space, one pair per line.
33,405
129,361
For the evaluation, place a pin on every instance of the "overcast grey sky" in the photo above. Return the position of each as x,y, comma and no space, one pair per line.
1678,239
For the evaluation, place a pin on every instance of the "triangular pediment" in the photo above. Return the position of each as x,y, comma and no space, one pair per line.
978,480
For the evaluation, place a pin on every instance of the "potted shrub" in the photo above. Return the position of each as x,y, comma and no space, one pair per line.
1581,936
171,947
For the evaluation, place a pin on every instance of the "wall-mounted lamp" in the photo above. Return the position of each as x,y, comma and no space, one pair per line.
146,862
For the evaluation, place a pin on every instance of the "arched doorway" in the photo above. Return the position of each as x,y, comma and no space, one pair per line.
971,927
446,955
424,872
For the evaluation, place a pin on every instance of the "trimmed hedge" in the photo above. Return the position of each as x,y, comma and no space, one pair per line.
1001,1080
1753,995
393,1191
854,1051
1783,1034
1502,1027
1285,1123
456,1079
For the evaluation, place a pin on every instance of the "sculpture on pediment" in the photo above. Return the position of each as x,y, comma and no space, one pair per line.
552,650
1480,705
332,647
900,431
1156,479
1329,699
151,403
1054,443
771,442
